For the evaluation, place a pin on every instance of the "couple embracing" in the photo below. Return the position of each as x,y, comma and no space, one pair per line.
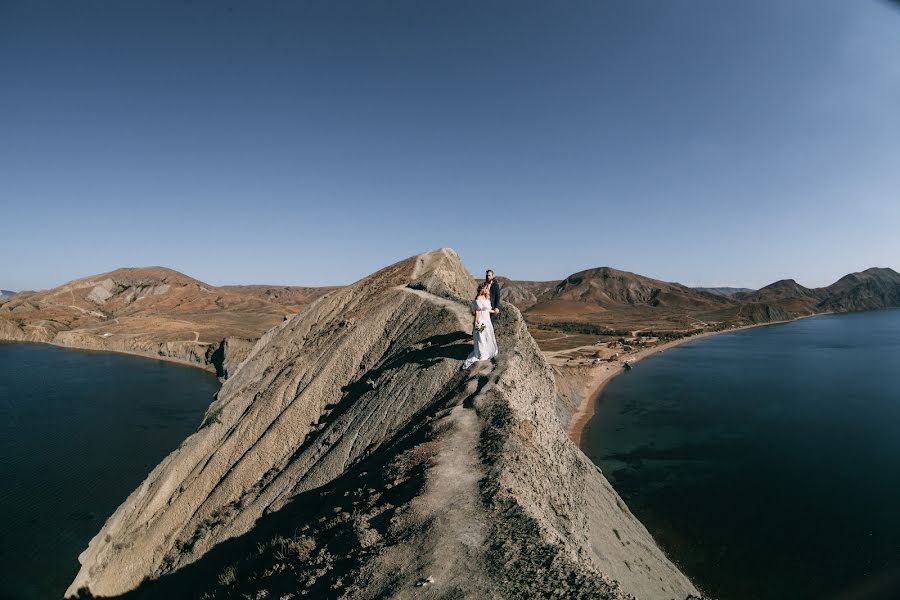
486,307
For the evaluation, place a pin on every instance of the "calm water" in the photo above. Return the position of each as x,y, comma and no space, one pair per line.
78,432
766,462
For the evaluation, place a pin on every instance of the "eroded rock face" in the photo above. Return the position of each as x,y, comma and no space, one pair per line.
349,456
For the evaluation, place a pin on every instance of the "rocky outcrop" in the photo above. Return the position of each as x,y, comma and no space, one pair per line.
234,351
197,354
759,312
350,457
11,331
525,294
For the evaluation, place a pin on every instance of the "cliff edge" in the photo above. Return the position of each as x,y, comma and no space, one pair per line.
349,456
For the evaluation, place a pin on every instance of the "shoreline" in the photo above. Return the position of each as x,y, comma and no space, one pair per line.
607,371
203,367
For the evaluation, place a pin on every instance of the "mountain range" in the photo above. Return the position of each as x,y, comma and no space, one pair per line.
156,311
607,297
347,451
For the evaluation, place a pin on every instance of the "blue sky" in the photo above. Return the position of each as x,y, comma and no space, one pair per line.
708,142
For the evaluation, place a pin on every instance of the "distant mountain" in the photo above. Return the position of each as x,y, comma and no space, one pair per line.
788,294
4,294
611,298
617,299
870,289
155,311
605,288
724,291
525,293
611,288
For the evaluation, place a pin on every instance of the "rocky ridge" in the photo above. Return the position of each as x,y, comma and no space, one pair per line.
349,457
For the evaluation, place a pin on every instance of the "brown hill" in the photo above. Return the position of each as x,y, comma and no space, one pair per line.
611,288
597,300
610,298
870,289
153,311
525,293
787,294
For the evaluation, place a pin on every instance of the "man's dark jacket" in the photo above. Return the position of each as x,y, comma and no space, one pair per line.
495,297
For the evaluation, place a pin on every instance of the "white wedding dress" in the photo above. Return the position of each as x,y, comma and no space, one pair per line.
484,343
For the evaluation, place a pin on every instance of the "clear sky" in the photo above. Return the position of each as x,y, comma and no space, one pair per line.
708,142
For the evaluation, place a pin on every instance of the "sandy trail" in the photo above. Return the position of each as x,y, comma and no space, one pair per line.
451,500
456,308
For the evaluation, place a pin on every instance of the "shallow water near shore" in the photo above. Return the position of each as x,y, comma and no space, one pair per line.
79,431
766,462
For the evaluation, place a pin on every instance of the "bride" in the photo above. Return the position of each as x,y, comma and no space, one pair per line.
483,339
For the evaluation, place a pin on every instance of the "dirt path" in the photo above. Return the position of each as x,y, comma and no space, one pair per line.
464,316
556,353
451,501
562,337
93,313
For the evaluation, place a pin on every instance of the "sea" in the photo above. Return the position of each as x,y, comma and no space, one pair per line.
79,431
766,461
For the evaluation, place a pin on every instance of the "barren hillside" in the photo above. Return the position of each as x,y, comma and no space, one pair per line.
600,306
153,311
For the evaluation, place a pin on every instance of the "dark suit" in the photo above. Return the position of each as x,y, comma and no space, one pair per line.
495,298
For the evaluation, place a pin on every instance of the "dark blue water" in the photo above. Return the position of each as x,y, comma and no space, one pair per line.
78,432
766,462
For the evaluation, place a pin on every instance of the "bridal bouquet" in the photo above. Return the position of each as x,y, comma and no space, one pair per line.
479,327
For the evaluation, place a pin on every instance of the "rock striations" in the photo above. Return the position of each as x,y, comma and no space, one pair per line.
349,456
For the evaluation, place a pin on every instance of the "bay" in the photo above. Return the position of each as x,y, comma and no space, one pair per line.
79,431
766,462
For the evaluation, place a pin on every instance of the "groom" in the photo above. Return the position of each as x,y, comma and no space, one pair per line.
494,289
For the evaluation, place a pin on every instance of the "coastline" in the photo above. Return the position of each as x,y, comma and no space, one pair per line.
602,374
208,367
607,371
